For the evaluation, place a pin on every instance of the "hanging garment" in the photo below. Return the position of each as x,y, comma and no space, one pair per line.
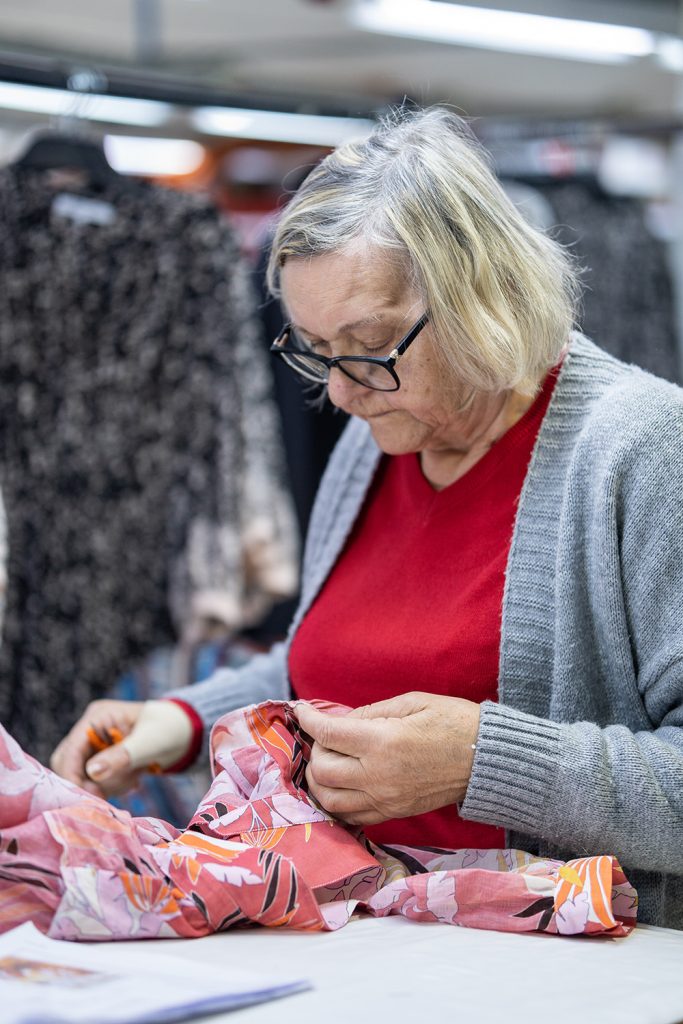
627,303
259,850
139,454
310,429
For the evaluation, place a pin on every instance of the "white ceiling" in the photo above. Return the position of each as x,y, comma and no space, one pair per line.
310,49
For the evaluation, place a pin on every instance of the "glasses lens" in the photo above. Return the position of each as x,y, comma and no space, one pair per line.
307,367
372,375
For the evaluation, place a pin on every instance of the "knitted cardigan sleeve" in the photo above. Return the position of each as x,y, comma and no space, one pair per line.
608,787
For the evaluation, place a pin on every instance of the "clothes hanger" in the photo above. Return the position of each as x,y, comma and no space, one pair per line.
57,151
65,146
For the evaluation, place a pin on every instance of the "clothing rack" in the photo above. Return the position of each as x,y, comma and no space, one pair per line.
498,129
566,148
57,74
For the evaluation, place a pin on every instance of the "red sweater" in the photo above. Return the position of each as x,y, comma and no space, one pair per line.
415,601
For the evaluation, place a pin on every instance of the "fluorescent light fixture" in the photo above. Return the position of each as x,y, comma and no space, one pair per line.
670,53
92,106
122,110
131,154
512,31
275,126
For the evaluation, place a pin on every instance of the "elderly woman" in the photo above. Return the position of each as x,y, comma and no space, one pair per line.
493,576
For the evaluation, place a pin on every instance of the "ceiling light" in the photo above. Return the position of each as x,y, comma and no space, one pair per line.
512,31
131,154
275,126
90,106
122,110
669,51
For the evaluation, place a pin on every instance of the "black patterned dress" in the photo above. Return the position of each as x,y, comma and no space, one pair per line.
140,462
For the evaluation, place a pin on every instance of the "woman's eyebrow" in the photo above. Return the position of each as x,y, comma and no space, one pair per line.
366,321
349,328
352,326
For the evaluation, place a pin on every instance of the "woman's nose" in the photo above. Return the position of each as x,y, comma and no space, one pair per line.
341,389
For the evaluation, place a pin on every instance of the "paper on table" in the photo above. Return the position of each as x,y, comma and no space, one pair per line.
45,981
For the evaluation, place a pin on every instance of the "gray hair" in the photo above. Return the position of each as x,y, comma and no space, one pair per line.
501,295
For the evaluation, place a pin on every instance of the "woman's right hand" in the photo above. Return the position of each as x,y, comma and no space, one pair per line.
155,732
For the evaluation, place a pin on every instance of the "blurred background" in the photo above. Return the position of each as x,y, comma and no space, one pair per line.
157,472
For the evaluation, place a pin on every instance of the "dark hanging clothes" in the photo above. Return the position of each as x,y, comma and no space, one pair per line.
140,462
628,304
310,428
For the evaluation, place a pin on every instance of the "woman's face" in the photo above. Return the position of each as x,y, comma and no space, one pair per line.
352,303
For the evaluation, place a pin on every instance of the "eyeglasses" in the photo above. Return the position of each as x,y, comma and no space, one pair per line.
374,372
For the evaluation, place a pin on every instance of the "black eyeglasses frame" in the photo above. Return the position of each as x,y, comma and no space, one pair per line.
280,348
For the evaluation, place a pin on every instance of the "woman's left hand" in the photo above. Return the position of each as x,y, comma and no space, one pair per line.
393,759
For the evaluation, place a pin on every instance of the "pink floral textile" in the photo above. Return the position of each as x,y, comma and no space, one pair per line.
259,850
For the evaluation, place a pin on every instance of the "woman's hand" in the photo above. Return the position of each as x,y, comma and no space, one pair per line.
76,757
393,759
154,732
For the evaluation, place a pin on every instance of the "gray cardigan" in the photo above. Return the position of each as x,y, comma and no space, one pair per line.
583,754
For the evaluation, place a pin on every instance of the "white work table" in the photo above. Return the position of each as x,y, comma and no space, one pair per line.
394,971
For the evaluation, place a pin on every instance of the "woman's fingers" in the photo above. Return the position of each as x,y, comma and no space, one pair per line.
110,769
333,770
88,757
338,802
352,736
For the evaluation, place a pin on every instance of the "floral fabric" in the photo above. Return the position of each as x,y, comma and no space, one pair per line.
259,850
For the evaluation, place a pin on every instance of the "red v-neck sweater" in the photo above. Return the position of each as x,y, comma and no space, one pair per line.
414,601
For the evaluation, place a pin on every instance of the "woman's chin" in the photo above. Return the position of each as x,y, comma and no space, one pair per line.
391,439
